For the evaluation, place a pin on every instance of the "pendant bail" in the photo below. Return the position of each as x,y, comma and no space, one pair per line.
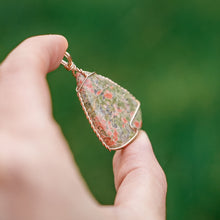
69,64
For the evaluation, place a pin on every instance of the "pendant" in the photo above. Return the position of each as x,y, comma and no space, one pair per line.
113,113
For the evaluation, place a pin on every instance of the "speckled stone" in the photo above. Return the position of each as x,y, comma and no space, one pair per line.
109,108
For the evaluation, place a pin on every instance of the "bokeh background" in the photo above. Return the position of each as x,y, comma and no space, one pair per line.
167,53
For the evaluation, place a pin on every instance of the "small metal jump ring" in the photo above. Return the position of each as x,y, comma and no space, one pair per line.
69,65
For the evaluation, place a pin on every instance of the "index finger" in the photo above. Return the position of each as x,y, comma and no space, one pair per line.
24,93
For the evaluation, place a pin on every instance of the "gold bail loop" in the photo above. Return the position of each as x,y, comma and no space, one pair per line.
69,64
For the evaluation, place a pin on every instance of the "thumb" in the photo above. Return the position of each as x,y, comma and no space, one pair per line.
23,82
139,180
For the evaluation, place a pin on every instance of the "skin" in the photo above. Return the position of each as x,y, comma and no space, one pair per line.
39,178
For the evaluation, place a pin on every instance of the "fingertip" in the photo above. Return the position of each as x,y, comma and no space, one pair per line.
60,46
42,53
62,38
137,154
52,37
140,144
151,160
56,45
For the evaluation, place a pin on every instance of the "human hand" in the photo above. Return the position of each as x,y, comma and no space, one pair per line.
39,179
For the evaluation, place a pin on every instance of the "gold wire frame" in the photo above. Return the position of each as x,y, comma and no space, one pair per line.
72,67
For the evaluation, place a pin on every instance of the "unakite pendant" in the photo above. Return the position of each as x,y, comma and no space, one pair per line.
113,112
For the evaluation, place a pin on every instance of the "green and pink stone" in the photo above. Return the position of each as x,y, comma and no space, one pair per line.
113,112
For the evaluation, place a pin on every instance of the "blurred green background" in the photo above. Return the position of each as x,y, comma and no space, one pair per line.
167,53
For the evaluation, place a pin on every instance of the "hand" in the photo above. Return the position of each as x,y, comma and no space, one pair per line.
39,179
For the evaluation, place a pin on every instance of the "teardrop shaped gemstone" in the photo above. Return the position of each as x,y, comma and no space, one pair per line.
114,114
